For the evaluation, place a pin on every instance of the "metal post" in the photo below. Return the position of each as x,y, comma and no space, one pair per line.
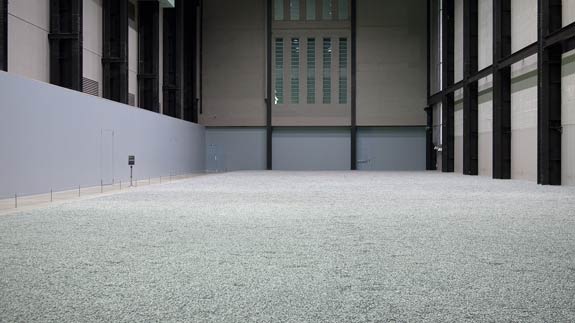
101,186
120,185
78,190
131,174
15,201
51,198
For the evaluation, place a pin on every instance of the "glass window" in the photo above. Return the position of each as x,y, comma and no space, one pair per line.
311,70
279,9
279,71
294,9
343,71
343,9
327,53
327,10
295,70
310,10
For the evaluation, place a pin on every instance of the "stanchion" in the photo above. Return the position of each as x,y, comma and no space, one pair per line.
101,186
79,191
51,197
15,201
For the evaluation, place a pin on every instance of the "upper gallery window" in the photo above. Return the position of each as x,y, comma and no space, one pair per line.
311,10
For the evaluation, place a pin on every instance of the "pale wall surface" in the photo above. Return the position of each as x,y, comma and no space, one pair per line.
92,41
391,63
232,149
234,70
568,119
54,138
28,48
391,148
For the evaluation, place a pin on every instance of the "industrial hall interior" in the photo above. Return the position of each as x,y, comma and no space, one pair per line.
287,160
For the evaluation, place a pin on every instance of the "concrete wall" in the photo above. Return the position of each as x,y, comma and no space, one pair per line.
458,135
311,149
568,119
28,48
231,149
391,148
133,55
92,41
54,138
485,129
391,62
234,66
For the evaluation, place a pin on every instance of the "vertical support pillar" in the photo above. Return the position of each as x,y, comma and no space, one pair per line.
269,94
470,90
148,68
190,66
353,85
3,35
430,153
549,95
172,61
448,151
65,40
501,90
115,54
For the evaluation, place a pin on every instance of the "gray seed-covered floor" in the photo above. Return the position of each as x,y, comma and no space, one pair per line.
297,247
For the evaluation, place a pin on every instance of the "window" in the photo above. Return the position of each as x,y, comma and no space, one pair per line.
343,9
279,10
327,70
294,70
327,10
279,71
310,10
311,70
343,70
294,9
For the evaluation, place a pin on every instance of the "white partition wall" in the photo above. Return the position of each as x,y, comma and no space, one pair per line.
54,138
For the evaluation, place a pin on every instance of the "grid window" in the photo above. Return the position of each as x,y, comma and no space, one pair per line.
343,9
310,10
343,70
294,9
295,52
327,54
311,70
327,10
279,9
279,71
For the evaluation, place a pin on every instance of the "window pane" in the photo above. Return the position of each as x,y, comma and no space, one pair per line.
294,9
295,70
279,9
310,10
327,9
343,8
279,71
311,70
327,70
343,70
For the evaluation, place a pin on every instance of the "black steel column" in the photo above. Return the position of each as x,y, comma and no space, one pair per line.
470,90
448,147
501,90
115,54
269,94
65,39
3,35
549,95
148,69
353,85
172,61
430,153
190,66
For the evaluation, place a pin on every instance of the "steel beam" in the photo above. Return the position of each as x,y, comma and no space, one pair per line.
149,58
447,101
549,94
353,98
501,90
3,35
115,53
269,94
172,89
190,66
430,153
65,40
470,89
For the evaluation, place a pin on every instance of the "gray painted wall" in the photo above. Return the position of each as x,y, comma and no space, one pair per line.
231,149
391,149
311,149
54,138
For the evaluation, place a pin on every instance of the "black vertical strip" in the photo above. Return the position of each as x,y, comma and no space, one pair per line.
470,90
172,59
429,33
430,153
269,129
448,149
115,53
190,57
353,85
201,58
549,95
148,69
3,35
501,90
65,40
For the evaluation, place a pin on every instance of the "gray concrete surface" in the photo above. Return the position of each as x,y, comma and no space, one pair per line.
297,247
